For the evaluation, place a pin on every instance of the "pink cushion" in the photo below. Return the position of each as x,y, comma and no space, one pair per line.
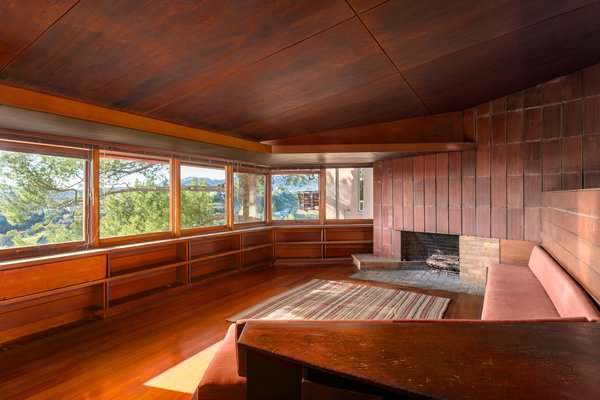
221,380
568,297
513,292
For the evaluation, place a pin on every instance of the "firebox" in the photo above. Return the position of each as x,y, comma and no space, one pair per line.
437,250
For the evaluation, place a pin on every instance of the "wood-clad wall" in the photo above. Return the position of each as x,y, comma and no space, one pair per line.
571,233
544,138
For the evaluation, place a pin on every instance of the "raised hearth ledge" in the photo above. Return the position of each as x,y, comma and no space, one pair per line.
370,261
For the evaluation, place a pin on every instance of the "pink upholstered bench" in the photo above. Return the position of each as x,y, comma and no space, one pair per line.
543,290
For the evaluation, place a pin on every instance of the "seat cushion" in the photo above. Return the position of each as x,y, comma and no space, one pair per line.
221,380
567,296
513,292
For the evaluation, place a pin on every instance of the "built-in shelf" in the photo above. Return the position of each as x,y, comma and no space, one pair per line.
102,282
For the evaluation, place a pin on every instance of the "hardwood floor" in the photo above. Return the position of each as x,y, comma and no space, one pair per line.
161,351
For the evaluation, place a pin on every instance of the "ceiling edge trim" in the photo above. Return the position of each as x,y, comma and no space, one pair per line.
37,101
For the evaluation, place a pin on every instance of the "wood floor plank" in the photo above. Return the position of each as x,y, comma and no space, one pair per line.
116,358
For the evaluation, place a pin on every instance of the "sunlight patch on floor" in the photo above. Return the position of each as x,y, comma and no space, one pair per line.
185,376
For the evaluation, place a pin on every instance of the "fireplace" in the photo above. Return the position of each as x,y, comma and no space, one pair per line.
438,251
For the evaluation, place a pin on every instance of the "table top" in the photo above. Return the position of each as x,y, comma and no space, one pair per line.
461,360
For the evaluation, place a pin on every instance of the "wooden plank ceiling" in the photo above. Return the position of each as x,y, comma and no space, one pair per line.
267,70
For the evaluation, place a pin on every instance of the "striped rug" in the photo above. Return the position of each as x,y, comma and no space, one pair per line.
331,300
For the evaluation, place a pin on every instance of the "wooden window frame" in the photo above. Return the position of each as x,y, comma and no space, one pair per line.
267,209
24,146
338,221
140,237
319,220
203,229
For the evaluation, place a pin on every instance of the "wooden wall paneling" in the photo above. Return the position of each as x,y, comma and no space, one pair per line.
346,250
203,269
572,163
514,126
397,194
297,234
573,86
498,190
469,116
183,271
26,318
209,246
407,194
334,234
257,238
514,191
430,192
387,216
454,193
468,193
396,245
121,262
441,182
571,232
515,252
532,190
483,193
419,194
132,288
498,125
298,251
257,257
377,223
551,164
44,277
591,161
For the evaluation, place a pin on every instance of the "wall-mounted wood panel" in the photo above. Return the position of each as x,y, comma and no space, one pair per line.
515,252
333,234
126,288
40,278
571,233
298,251
208,246
298,235
257,238
262,256
34,316
208,268
496,191
133,259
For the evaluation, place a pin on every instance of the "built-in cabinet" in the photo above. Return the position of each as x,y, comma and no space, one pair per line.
300,245
37,294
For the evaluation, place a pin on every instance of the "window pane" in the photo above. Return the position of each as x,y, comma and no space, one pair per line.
295,196
349,193
202,197
248,197
134,196
41,199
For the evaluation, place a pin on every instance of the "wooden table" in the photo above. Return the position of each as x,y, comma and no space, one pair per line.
464,360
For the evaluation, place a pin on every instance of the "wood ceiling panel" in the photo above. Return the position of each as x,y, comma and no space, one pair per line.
503,65
416,32
363,5
140,55
438,128
387,99
24,21
319,67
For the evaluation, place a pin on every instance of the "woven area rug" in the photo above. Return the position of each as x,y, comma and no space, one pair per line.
331,300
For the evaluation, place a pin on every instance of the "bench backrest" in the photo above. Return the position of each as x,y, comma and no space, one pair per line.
568,297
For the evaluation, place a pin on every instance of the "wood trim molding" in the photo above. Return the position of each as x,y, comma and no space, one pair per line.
32,100
383,148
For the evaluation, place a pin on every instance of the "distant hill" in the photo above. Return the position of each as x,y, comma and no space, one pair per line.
209,181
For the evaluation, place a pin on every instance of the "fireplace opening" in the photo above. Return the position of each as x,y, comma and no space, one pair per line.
438,251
